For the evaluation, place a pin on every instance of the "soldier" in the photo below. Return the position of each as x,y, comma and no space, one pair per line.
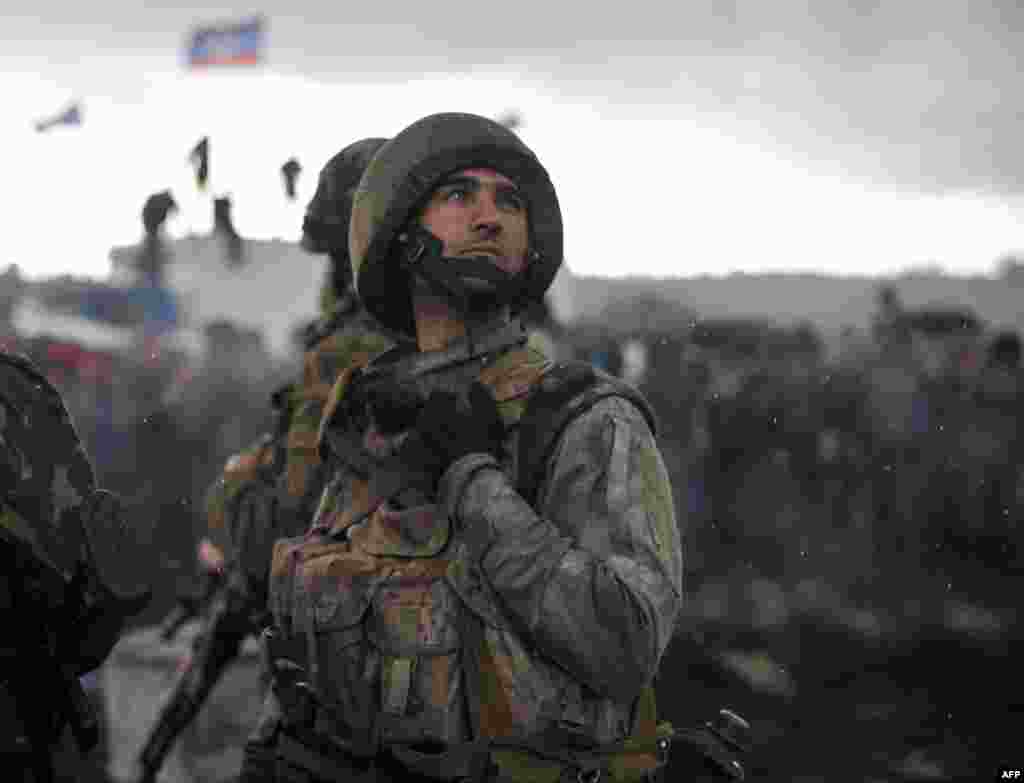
281,473
494,570
69,579
270,490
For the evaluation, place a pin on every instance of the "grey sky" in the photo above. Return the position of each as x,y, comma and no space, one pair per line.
920,93
850,136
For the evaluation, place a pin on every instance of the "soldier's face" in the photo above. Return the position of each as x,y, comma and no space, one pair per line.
479,212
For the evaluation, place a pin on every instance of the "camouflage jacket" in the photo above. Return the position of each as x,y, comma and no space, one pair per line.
578,595
283,468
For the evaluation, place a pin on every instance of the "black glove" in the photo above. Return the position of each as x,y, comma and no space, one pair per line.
447,431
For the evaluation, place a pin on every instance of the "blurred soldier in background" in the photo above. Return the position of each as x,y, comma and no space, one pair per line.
280,477
457,612
69,579
268,491
996,413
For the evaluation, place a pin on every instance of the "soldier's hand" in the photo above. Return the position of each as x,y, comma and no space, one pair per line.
448,429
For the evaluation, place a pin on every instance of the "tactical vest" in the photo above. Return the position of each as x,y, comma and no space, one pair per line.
370,636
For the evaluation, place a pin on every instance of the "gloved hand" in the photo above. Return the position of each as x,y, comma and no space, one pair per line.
447,431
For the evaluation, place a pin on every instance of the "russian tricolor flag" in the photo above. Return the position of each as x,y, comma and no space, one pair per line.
233,43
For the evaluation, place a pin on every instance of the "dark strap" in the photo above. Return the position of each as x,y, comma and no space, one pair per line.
471,631
466,762
404,362
567,390
424,256
324,766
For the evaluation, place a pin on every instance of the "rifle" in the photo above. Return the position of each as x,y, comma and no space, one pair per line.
215,647
191,605
232,612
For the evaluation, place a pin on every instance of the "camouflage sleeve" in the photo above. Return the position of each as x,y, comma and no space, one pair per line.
595,579
242,469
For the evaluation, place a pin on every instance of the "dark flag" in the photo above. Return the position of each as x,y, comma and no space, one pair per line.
200,159
290,171
72,115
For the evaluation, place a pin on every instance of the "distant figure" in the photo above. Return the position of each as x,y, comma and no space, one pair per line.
224,228
887,319
153,257
1005,351
290,173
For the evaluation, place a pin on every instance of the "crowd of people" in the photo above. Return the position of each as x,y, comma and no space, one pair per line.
878,453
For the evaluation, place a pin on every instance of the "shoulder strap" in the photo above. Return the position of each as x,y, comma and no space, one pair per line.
566,391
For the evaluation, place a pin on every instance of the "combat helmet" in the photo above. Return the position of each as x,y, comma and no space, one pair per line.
385,246
325,225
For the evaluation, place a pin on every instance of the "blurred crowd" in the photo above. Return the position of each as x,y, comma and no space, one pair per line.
891,465
896,457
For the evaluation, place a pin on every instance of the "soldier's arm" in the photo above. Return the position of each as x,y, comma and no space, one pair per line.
595,579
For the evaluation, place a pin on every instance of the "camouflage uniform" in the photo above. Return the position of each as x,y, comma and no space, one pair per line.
277,481
280,476
66,579
509,627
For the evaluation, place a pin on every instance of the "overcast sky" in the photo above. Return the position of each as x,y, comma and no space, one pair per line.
855,137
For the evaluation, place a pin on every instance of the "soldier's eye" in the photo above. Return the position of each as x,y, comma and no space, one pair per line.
455,193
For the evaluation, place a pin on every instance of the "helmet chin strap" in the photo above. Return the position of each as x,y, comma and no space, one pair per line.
471,284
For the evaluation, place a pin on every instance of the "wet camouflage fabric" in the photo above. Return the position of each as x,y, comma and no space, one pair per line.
253,465
44,469
578,601
66,581
286,469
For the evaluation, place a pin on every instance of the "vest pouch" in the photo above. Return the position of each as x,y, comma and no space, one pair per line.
413,631
343,668
321,592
